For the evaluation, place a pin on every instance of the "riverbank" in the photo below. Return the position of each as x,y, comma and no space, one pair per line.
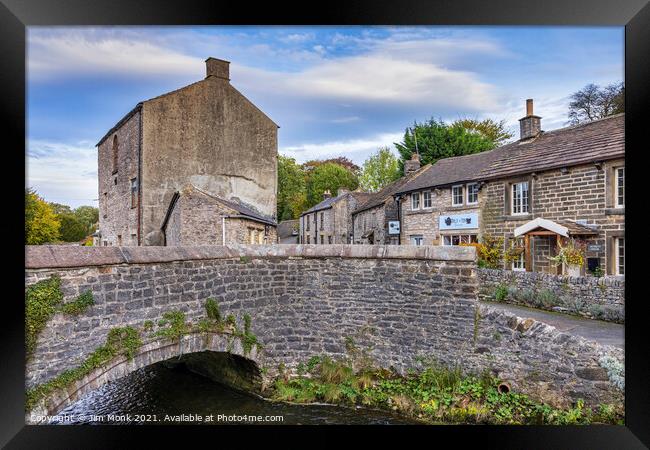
434,395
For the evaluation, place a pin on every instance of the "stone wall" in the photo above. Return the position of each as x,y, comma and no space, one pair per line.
599,298
400,302
118,220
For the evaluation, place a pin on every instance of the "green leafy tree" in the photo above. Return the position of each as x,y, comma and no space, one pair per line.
341,161
437,140
379,170
41,222
292,188
488,128
88,216
594,102
328,177
72,229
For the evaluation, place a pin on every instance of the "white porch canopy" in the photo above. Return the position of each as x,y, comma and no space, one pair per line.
542,223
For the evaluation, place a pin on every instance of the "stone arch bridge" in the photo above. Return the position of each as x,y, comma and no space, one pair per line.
398,302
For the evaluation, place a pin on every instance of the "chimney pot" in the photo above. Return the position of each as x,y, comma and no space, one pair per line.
218,68
327,194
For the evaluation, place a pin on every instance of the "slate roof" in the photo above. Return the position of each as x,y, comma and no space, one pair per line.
328,202
598,140
449,171
377,198
235,206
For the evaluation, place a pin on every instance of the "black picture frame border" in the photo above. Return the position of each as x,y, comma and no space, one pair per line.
15,15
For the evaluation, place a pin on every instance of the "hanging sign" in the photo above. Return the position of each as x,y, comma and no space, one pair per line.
393,227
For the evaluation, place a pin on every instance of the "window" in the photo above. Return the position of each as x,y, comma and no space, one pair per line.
519,264
417,240
322,220
105,243
619,184
307,220
308,239
472,194
415,200
426,199
134,193
456,195
457,239
119,240
519,203
322,239
115,153
620,255
329,239
260,237
251,236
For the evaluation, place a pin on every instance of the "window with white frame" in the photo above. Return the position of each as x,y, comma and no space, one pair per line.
426,199
415,200
620,255
519,263
519,202
472,193
417,240
456,195
619,183
457,239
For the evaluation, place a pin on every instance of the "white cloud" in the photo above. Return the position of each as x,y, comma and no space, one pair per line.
63,173
84,52
355,149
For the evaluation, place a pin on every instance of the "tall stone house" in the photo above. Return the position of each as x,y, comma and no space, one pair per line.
179,166
537,193
330,221
374,221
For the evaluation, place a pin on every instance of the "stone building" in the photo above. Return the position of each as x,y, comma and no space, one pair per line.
330,221
206,134
536,193
195,217
374,220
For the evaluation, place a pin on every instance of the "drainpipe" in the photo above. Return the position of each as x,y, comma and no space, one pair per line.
398,199
223,230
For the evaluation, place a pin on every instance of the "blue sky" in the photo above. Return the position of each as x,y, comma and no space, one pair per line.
334,91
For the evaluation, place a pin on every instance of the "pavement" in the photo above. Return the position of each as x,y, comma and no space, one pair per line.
605,333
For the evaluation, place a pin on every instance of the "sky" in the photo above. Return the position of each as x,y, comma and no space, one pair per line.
334,91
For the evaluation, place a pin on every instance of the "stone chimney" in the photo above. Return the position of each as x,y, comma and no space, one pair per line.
342,191
217,68
531,125
412,165
327,194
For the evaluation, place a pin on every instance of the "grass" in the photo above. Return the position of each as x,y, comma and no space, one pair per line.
433,395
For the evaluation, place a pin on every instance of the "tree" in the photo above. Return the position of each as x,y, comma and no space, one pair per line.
379,170
328,177
89,216
341,161
292,189
593,102
488,128
72,229
437,140
41,223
